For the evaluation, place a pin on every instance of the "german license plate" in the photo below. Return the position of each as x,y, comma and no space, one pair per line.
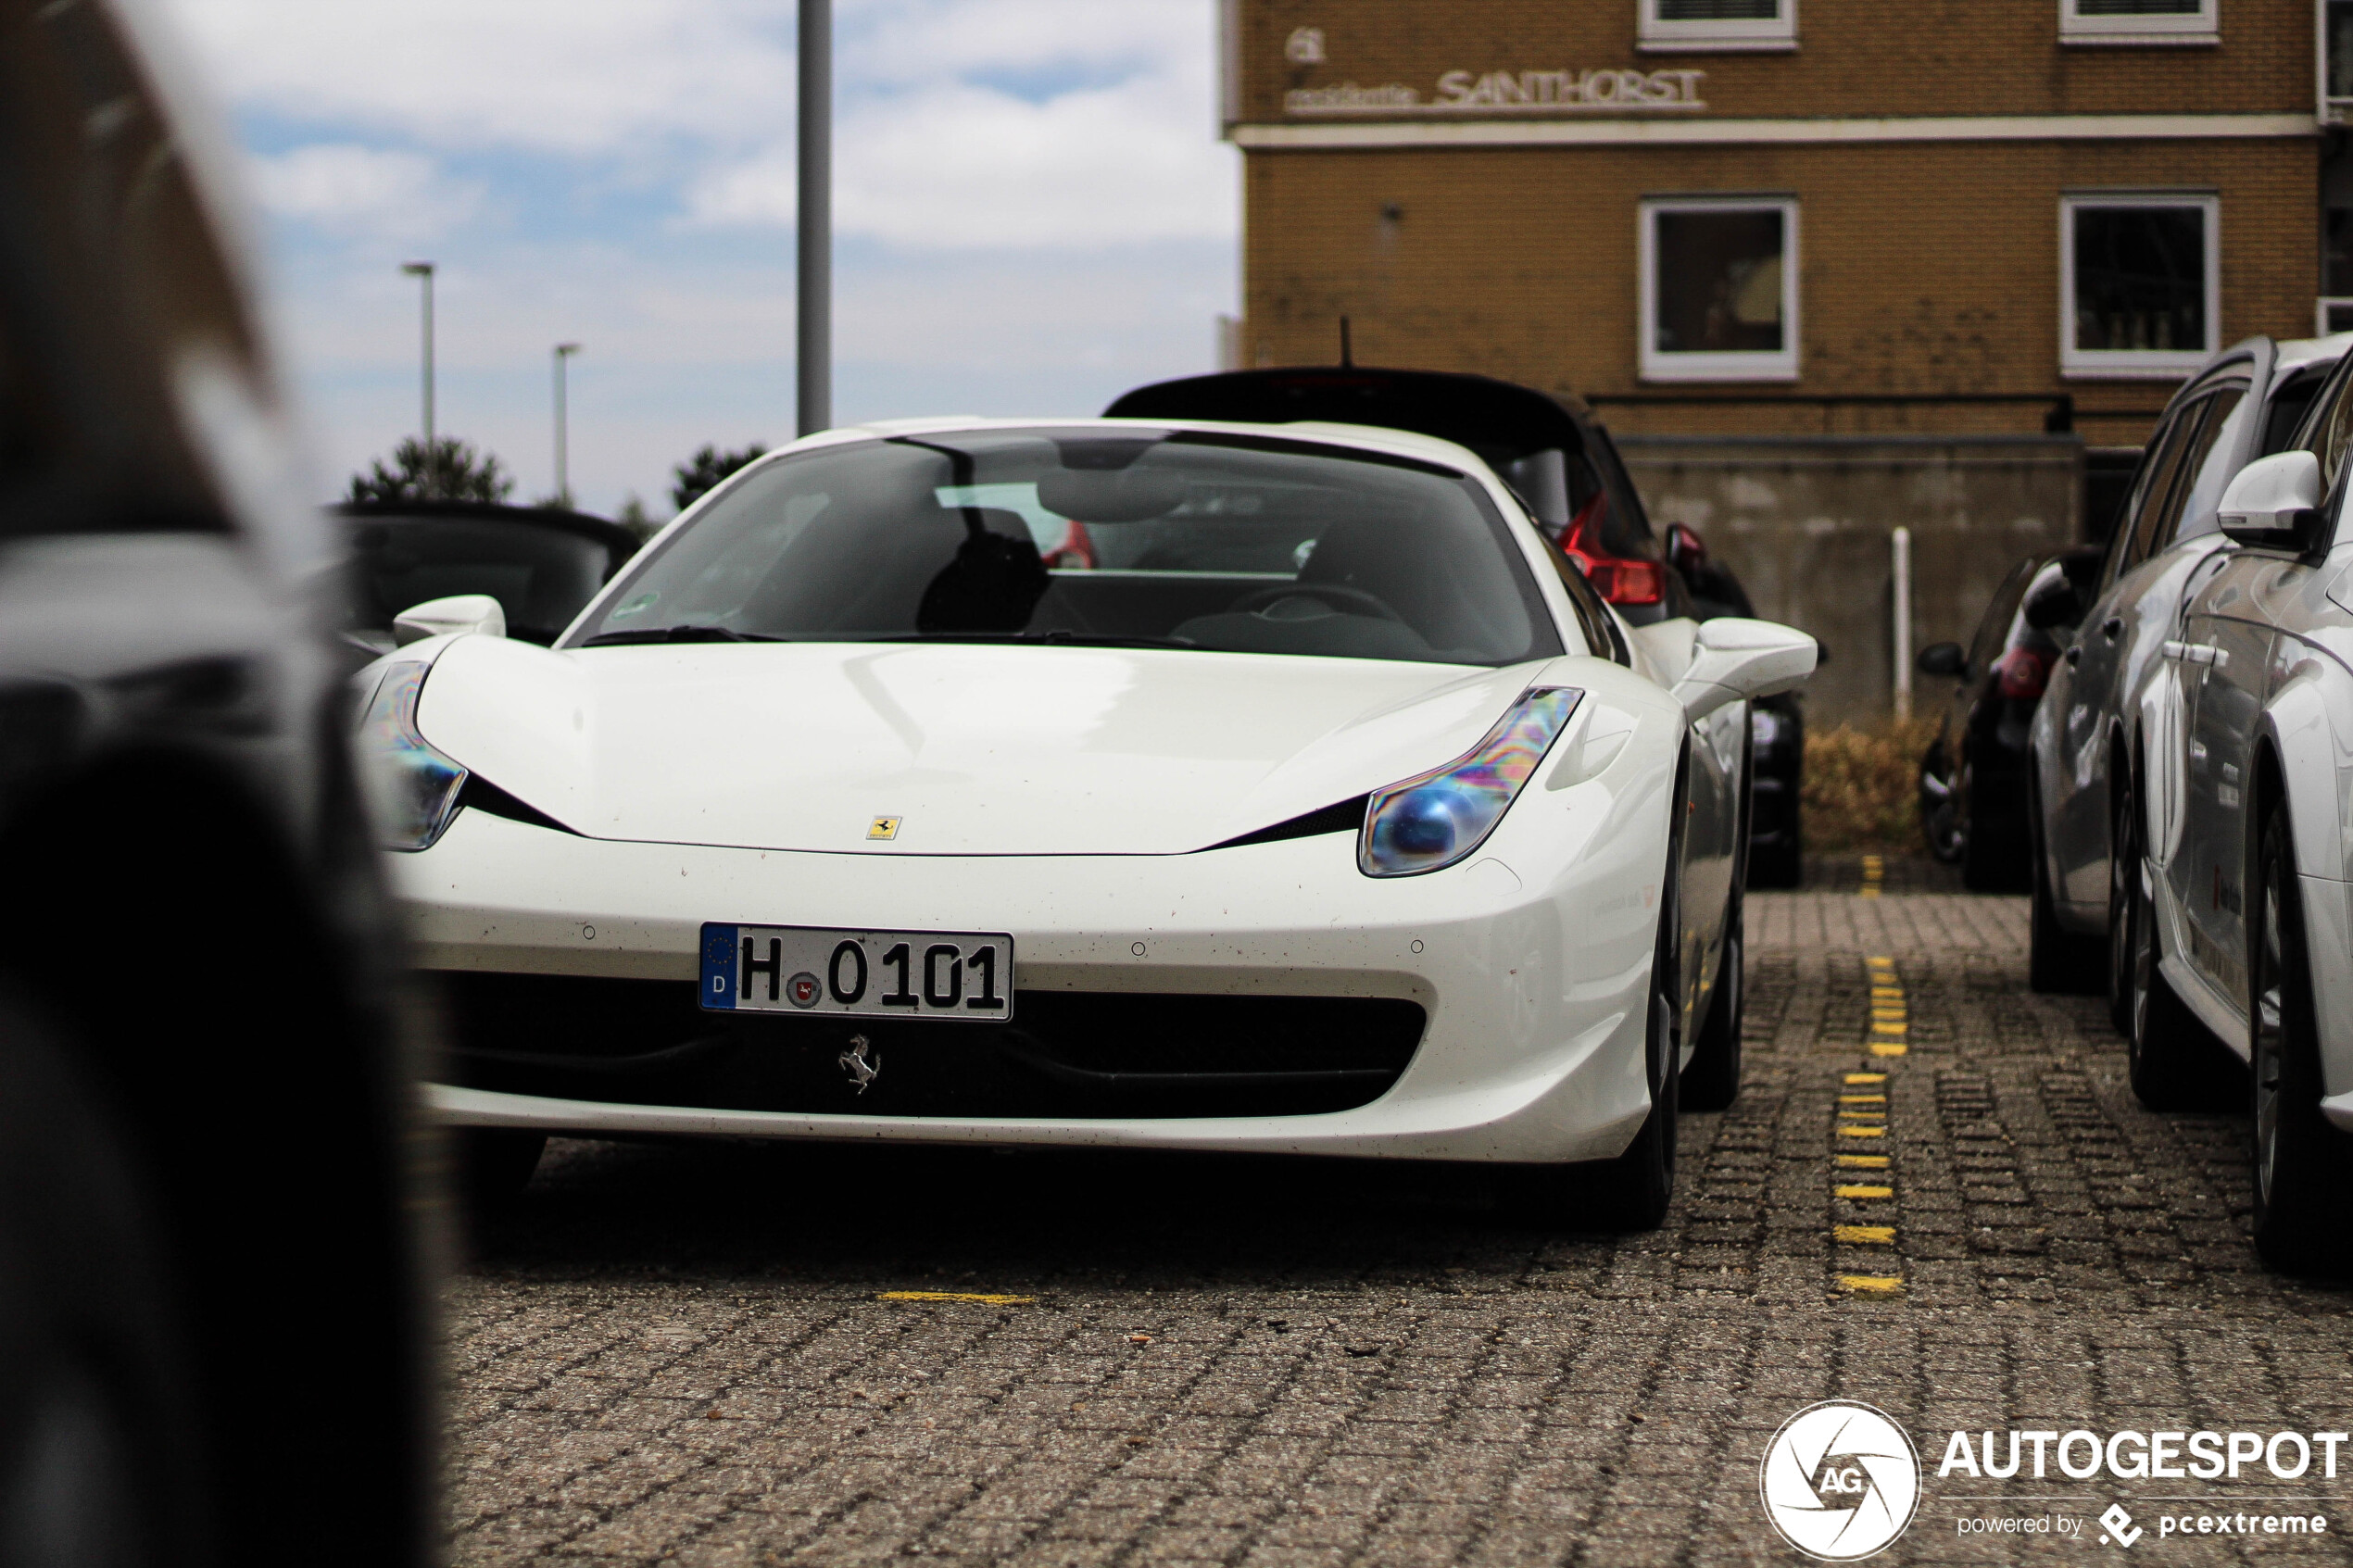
862,973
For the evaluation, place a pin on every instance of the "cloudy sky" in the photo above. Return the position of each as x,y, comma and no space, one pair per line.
1032,212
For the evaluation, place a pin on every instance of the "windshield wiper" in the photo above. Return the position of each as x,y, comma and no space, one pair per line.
678,634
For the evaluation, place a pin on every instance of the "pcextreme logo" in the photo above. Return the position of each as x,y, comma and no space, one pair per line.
1839,1481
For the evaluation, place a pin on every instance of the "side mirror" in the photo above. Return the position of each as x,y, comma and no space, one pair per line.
1734,659
460,613
2054,604
1686,552
2274,502
1943,659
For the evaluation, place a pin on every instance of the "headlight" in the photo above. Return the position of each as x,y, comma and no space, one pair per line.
1765,728
412,788
1429,823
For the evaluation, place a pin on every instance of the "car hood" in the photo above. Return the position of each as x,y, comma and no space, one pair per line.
972,749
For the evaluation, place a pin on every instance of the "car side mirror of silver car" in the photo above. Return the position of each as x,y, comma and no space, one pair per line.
458,612
1943,658
2274,502
1735,659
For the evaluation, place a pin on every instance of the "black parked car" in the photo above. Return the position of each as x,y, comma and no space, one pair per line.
214,1321
1561,461
540,563
1973,793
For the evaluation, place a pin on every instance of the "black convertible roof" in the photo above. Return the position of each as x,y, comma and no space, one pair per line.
1495,418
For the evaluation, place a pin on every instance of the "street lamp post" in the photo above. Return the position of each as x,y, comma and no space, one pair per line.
565,351
814,348
424,269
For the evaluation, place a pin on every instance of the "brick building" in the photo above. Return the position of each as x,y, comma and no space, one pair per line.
1747,215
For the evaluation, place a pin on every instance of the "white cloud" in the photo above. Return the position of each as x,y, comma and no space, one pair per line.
350,189
968,167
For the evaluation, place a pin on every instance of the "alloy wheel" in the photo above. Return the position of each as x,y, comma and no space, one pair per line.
2270,1038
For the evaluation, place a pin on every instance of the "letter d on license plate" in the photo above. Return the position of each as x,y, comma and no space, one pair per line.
862,973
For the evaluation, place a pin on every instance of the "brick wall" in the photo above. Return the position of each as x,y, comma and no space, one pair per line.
1924,267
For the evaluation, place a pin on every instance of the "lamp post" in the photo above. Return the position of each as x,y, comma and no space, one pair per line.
424,269
813,350
565,351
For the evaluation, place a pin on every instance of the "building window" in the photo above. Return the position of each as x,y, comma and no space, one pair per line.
2139,284
2336,60
2138,21
1719,289
1717,24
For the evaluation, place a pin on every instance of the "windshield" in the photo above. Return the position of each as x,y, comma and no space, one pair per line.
1220,542
541,577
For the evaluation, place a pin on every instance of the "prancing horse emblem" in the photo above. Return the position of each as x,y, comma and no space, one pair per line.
853,1062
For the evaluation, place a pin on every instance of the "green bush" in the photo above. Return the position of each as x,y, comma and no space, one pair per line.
1862,786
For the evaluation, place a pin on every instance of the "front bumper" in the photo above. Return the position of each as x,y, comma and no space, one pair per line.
1533,989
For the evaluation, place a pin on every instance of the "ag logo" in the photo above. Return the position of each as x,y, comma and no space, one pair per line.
1839,1481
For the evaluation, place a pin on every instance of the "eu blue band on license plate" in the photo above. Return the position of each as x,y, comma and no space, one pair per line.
966,975
719,967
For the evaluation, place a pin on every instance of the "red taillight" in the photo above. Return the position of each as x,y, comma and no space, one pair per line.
2022,672
1076,550
1621,580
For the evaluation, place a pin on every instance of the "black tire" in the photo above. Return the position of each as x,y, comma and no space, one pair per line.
1781,863
2175,1061
101,1457
2059,961
2303,1167
2126,897
495,1163
1712,1082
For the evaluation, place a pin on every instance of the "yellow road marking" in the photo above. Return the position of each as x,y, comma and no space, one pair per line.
1878,1283
1889,1015
1887,1047
1862,1131
1866,1236
1880,1026
1866,1078
1864,1161
983,1298
1865,1192
1862,1099
1886,993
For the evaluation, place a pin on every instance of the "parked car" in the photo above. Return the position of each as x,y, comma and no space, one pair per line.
1327,812
214,1321
2237,837
1972,788
1560,461
2245,403
542,564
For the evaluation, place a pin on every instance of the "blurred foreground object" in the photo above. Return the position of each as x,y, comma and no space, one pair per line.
213,1315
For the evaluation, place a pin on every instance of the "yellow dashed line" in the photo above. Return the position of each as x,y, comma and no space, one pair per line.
1874,871
1883,1037
984,1300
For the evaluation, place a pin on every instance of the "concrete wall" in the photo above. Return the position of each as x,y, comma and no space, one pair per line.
1806,522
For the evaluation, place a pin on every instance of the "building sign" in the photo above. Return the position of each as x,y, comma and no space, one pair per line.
1509,93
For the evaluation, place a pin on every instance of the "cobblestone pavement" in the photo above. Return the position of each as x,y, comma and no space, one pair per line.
682,1353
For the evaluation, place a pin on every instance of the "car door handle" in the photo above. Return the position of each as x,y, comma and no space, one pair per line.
2075,654
2196,653
2112,628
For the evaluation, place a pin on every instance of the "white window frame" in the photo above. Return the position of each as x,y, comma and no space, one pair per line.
2204,27
1655,34
1656,365
2138,364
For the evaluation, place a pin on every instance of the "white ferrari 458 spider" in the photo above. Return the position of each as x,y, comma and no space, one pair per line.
1200,786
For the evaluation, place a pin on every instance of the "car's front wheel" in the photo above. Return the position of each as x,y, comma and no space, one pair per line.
2303,1166
2057,961
1713,1080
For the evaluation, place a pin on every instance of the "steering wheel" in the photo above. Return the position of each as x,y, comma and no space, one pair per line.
1332,594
